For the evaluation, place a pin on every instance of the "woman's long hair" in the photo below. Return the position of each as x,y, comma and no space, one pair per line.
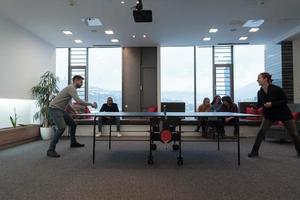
205,99
227,99
203,107
267,76
215,99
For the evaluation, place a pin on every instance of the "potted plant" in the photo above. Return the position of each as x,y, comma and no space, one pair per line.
43,92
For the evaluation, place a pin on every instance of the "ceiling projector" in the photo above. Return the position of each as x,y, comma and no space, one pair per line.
141,15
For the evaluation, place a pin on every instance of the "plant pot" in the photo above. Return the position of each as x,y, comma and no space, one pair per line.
46,133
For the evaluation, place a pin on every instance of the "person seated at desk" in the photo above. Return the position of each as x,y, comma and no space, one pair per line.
227,106
110,106
202,121
216,104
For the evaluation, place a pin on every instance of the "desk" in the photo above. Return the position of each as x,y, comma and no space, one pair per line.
162,115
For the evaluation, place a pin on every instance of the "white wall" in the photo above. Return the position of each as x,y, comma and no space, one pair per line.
25,110
296,62
23,59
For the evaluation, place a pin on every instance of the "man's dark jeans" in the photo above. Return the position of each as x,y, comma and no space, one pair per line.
61,119
109,120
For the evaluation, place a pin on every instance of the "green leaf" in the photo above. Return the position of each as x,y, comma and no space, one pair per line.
13,122
46,87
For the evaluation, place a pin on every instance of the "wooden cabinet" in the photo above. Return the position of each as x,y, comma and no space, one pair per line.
19,135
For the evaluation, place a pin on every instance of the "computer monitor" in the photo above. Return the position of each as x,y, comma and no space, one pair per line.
173,106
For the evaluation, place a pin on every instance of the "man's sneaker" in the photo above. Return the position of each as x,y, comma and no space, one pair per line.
119,134
98,134
76,145
253,154
53,154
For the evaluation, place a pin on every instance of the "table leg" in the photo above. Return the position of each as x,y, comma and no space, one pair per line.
238,141
94,139
218,135
180,159
109,135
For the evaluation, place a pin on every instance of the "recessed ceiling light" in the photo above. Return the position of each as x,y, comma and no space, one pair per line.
206,38
243,38
260,2
122,2
93,21
78,41
254,29
254,23
133,36
213,30
109,32
72,2
144,36
67,32
114,40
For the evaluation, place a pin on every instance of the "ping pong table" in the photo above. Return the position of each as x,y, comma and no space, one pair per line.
164,116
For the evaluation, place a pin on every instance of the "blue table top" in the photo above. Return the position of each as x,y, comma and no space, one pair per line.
167,114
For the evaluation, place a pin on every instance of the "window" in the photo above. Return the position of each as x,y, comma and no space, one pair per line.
71,62
62,59
177,75
204,74
223,70
105,75
78,66
248,63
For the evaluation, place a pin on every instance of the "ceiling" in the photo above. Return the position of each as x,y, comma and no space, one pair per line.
175,22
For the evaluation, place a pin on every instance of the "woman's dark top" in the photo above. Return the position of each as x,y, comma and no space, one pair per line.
216,107
112,108
279,109
232,108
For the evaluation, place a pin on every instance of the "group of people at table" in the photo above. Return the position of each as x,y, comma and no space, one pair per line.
224,104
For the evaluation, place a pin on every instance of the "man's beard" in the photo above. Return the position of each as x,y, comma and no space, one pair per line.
78,86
